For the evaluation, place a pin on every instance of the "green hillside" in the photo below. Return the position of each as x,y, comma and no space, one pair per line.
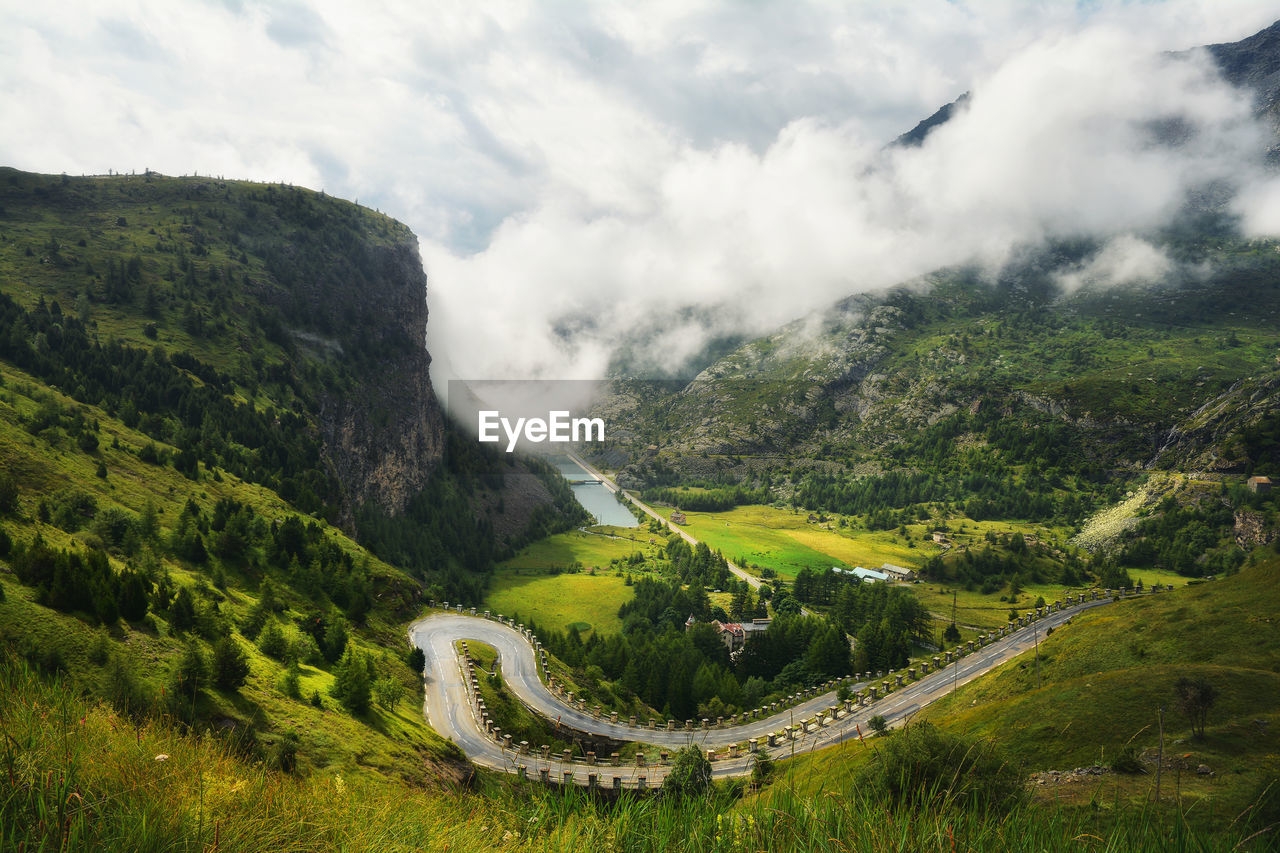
1005,398
187,529
1095,696
87,778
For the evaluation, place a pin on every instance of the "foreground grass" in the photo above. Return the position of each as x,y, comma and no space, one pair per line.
80,777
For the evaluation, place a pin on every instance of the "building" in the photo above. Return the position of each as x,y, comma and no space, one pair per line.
866,575
1259,484
732,633
898,573
941,538
677,517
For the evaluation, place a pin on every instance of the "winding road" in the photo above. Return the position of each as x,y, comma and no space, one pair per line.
810,723
451,710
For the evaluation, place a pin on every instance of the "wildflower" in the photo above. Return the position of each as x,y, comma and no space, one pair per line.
340,784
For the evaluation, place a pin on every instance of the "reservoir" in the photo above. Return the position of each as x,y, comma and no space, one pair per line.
593,495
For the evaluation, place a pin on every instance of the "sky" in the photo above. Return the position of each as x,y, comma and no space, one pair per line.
581,174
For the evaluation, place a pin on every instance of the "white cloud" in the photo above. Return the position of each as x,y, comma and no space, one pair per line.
1123,260
576,170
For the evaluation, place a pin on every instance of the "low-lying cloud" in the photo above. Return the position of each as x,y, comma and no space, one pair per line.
1082,136
1123,260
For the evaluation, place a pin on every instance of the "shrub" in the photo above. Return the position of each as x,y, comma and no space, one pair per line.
388,692
761,768
1195,696
690,772
925,766
8,494
123,690
100,648
284,752
1126,761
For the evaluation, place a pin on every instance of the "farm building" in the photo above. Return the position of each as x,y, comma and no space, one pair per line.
898,573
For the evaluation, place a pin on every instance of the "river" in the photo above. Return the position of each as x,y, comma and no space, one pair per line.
593,495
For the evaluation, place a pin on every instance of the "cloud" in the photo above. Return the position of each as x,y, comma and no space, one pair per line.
580,171
1079,136
1123,260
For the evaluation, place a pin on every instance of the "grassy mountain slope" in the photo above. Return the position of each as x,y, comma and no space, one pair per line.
1098,689
277,297
133,661
207,390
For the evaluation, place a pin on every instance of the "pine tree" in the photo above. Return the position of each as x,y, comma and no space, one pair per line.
351,682
230,666
182,614
335,637
192,672
272,641
133,595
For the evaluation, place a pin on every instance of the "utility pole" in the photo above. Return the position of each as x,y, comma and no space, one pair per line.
955,677
1160,754
1035,632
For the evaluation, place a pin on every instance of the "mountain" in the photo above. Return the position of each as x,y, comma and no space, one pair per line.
225,479
277,295
1033,394
1254,64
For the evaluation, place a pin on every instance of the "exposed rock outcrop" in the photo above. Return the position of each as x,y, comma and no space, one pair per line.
386,436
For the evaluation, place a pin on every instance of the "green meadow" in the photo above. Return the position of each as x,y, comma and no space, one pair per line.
597,547
558,600
786,542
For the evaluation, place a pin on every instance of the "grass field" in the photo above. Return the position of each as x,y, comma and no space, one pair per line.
557,601
597,548
786,542
974,610
1106,677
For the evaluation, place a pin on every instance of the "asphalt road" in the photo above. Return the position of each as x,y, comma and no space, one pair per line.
451,713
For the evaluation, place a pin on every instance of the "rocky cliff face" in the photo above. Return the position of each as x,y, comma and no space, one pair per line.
385,436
